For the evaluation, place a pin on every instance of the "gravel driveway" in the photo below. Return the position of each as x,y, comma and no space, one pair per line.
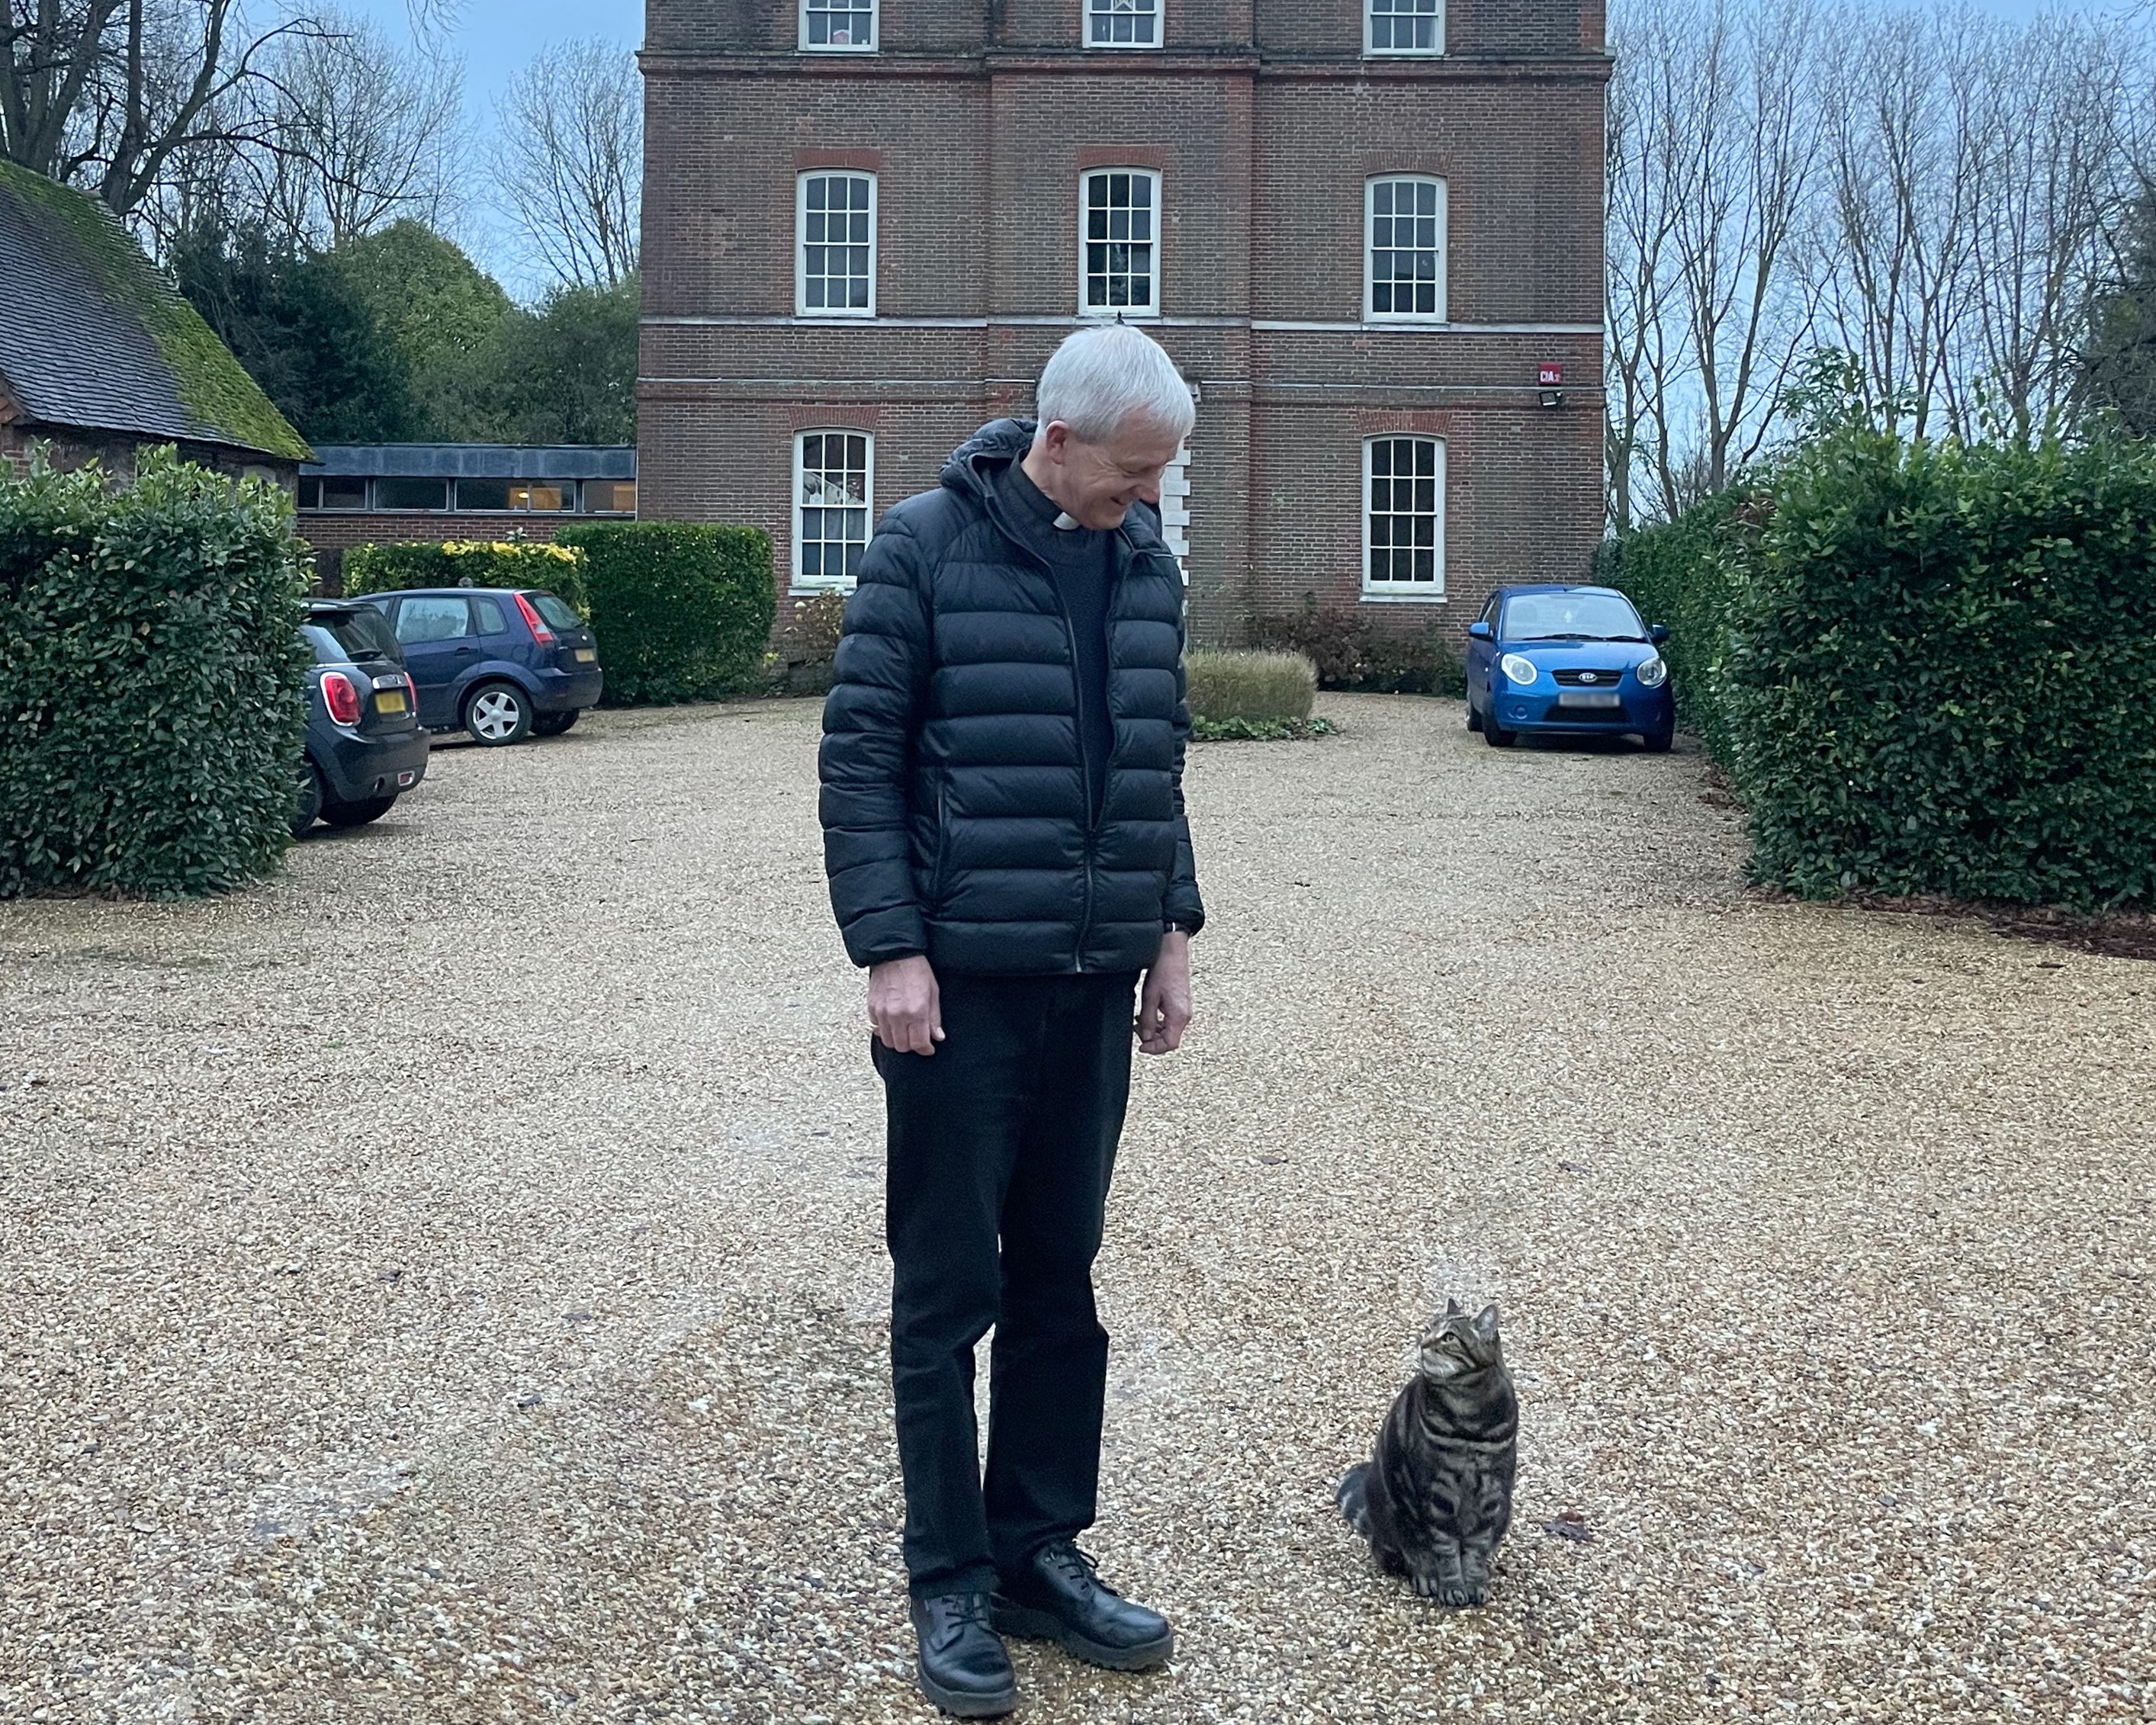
447,1285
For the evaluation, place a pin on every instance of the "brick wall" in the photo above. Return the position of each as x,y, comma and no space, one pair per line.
1266,122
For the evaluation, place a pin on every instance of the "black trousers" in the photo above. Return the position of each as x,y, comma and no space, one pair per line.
1000,1147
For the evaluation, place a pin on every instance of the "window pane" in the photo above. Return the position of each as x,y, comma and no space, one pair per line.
411,494
310,493
482,494
847,25
343,493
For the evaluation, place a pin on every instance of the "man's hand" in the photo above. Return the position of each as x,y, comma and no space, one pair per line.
906,1008
1164,1001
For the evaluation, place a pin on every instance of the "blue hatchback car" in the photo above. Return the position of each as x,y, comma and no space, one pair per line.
499,663
1569,660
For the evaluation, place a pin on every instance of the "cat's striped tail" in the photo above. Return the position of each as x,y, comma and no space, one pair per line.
1352,1495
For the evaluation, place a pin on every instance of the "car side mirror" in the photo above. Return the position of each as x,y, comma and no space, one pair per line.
1481,631
1658,633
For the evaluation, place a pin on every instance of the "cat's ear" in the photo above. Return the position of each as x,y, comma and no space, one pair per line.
1452,1308
1485,1321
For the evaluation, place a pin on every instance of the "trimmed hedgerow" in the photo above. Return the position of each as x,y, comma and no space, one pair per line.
1927,666
1224,684
499,562
1354,651
682,613
152,680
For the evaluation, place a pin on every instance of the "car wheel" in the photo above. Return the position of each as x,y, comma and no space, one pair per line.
1658,741
357,814
497,715
1474,718
1496,734
554,724
307,799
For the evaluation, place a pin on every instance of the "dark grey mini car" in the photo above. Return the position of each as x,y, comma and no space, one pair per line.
365,747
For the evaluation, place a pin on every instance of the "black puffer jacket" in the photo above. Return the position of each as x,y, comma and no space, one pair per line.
956,797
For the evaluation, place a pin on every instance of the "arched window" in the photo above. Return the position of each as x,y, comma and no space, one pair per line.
1403,517
1404,250
1119,242
835,256
1413,27
839,26
833,472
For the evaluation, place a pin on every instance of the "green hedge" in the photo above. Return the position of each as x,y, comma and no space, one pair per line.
1926,667
681,613
151,679
1255,686
501,562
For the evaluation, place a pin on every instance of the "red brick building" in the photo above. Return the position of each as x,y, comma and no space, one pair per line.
1369,231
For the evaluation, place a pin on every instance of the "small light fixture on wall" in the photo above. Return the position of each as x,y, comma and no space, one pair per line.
1552,397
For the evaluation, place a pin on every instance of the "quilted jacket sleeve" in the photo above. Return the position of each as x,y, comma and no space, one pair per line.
871,718
1182,904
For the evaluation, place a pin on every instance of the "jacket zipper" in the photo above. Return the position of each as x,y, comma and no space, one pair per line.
1078,695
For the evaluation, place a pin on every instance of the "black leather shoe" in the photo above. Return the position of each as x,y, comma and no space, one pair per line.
962,1667
1060,1598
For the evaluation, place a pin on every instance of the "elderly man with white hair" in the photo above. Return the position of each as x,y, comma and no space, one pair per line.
1004,831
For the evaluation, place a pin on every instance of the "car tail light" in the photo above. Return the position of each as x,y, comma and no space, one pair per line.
341,698
539,633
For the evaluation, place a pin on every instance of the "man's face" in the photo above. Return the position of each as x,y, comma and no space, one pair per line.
1096,484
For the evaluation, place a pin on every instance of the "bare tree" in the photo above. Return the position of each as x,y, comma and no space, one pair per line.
569,161
1715,144
367,132
104,93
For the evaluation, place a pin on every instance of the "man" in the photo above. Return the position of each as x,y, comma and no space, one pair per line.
1004,830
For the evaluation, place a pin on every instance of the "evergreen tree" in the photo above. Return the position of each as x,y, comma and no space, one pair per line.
302,331
2119,362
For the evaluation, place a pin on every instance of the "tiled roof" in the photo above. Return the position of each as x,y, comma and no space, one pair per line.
93,337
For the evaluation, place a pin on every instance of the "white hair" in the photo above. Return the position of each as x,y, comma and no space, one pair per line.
1101,378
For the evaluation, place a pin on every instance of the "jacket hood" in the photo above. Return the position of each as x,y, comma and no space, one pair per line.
974,465
977,463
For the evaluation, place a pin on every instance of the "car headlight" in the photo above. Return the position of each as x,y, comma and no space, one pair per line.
1521,671
1652,673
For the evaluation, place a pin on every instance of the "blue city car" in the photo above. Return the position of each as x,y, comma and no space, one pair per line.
364,747
1567,661
499,663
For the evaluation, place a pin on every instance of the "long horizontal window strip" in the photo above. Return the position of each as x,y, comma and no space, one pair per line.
1406,486
1407,248
831,523
851,26
1404,26
1123,23
837,244
468,496
1120,239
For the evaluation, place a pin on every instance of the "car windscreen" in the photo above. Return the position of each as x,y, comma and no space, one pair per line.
558,612
363,632
1571,617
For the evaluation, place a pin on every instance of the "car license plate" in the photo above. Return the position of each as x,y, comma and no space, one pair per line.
585,656
389,700
1587,697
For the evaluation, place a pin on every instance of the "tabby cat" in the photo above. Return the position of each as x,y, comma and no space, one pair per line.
1436,1496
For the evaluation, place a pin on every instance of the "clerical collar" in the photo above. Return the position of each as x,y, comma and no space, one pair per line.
1039,503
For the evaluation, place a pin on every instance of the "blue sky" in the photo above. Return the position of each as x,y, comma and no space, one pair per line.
497,38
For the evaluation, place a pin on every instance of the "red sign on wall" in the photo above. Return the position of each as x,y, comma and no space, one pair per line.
1548,375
